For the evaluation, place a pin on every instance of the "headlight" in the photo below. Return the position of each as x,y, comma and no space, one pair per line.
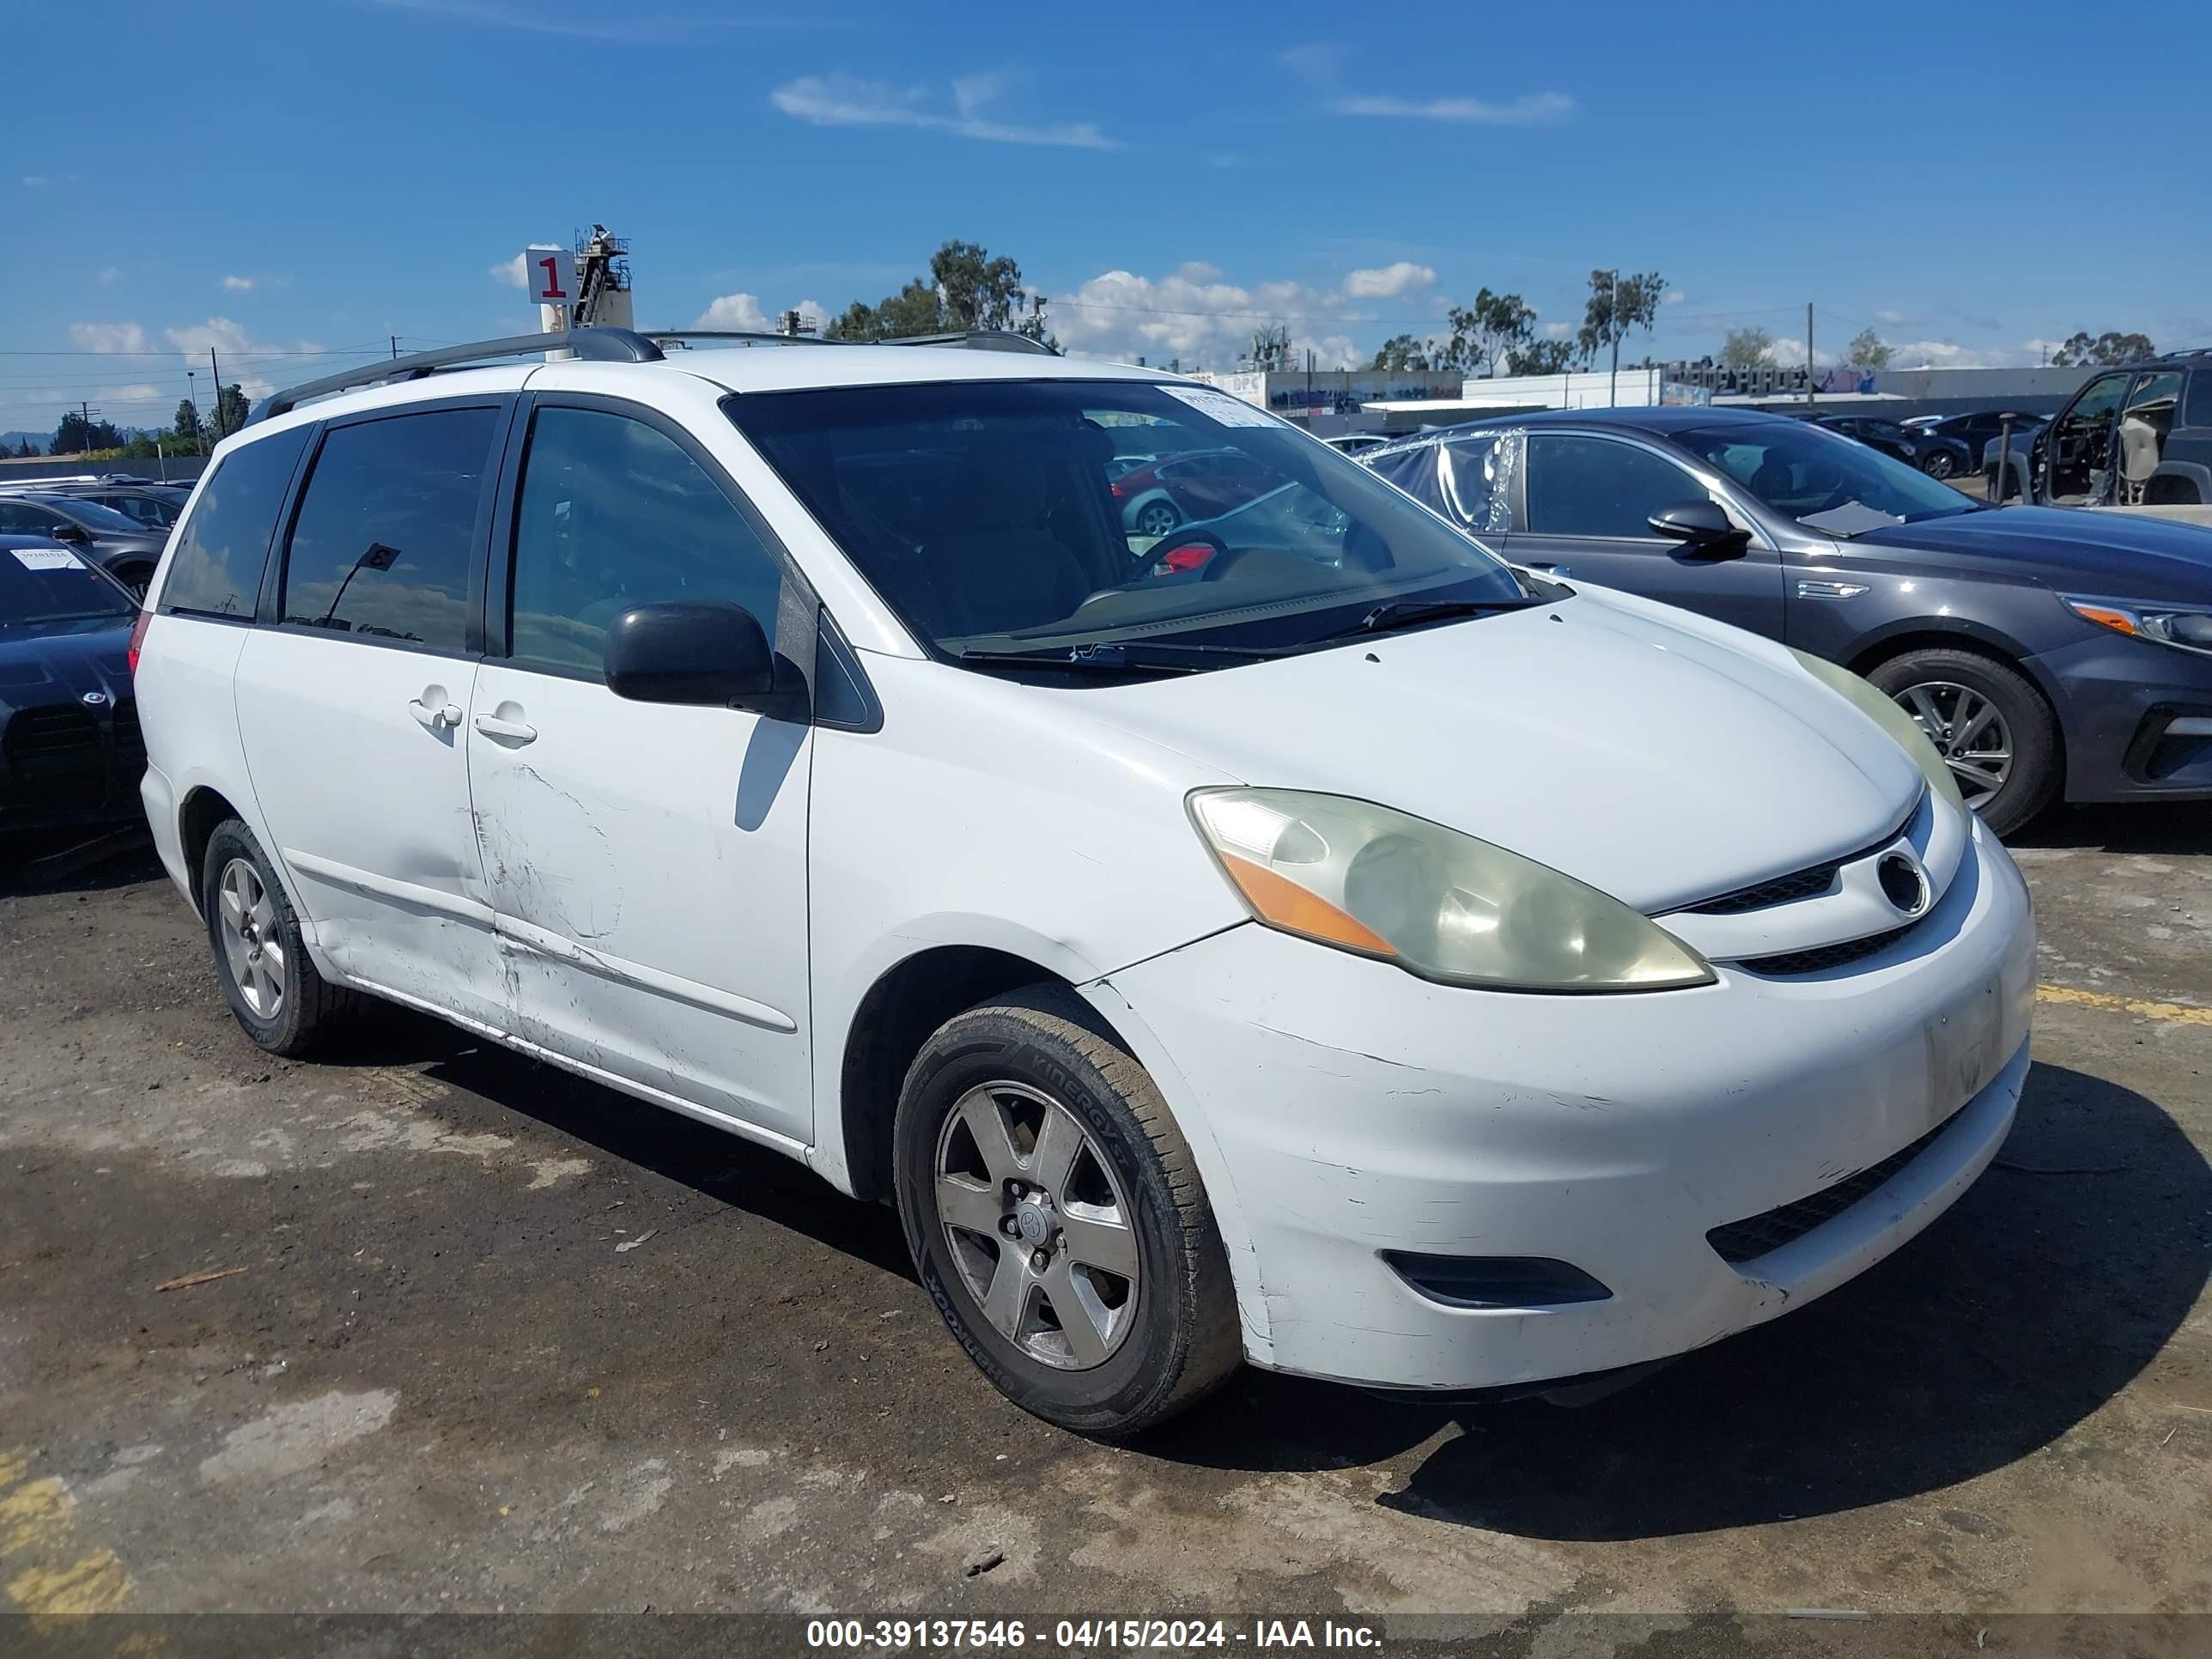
1438,903
2185,628
1883,711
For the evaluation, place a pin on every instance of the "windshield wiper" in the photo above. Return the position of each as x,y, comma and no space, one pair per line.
1412,613
1128,656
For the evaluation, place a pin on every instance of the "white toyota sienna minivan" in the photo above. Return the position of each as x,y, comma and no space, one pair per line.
1298,937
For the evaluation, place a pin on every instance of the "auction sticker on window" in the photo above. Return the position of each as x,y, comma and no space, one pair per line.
46,558
1229,411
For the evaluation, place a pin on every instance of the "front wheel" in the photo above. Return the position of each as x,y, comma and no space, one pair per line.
1938,466
1156,518
1989,723
1056,1217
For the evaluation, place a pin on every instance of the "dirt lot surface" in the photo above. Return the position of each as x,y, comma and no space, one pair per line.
473,1334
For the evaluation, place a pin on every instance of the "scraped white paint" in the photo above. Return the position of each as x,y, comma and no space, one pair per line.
289,1439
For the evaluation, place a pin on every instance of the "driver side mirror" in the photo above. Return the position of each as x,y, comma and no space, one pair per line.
709,652
69,532
1702,527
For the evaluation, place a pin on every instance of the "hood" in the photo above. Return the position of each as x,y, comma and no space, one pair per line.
2114,555
1659,758
40,670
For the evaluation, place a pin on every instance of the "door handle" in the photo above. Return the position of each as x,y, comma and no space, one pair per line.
506,731
443,718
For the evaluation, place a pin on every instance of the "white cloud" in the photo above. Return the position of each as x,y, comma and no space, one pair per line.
1674,297
1389,281
513,272
34,181
238,284
108,336
841,100
236,351
1558,331
1949,354
1887,316
110,275
741,311
1535,109
1193,317
1316,65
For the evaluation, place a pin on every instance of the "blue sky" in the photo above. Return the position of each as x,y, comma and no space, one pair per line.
295,183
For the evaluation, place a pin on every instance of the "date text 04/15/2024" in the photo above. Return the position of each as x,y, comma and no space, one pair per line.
1078,1635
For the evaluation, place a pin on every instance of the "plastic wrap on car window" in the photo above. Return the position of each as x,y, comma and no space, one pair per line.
1475,480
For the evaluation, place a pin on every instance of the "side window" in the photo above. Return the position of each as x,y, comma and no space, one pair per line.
1474,476
222,549
1596,487
2197,411
380,546
24,519
613,514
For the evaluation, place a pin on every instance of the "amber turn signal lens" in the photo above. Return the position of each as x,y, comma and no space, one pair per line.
1290,907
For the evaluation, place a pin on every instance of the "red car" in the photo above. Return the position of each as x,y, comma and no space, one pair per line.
1197,484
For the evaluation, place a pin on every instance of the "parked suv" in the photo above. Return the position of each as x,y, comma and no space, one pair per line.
2140,435
1343,955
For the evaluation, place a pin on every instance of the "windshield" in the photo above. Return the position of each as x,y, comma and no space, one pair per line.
1822,479
1019,516
48,589
93,516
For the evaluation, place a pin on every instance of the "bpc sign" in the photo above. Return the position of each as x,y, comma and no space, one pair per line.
550,275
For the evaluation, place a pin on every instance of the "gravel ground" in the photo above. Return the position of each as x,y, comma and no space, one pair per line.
477,1335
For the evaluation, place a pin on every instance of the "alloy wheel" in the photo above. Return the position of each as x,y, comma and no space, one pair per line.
252,943
1969,733
1158,519
1037,1225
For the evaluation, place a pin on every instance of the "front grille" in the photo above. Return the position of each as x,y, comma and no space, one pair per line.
1798,885
1746,1241
1820,958
56,758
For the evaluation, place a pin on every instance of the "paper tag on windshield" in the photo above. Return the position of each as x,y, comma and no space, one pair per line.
46,558
1229,411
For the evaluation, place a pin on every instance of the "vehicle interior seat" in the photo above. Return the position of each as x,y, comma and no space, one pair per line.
2139,456
1001,569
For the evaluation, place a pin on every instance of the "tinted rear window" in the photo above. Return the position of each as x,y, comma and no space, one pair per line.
2197,411
383,542
223,546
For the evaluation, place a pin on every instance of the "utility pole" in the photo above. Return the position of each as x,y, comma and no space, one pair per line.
192,395
216,370
1808,351
1612,327
395,348
85,412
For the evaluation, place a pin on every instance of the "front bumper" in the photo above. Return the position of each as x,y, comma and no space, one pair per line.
1359,1111
2122,699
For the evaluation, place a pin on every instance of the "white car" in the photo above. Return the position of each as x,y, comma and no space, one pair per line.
1357,959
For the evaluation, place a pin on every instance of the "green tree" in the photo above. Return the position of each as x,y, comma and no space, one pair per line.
966,288
1542,357
187,428
231,410
24,449
2083,352
1400,353
1616,305
1868,349
77,437
1484,333
1746,347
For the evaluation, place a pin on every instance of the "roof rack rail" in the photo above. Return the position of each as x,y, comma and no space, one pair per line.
595,344
976,339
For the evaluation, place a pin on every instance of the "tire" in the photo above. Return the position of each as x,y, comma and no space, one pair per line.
1158,517
1926,684
136,577
1939,465
1151,1341
306,1009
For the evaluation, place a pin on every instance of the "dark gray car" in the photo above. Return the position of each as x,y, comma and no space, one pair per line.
2049,653
125,549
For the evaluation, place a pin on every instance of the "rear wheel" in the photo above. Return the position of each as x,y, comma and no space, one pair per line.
1939,466
1057,1220
274,991
1987,721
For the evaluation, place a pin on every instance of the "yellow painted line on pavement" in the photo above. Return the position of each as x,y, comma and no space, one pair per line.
38,1519
2177,1013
